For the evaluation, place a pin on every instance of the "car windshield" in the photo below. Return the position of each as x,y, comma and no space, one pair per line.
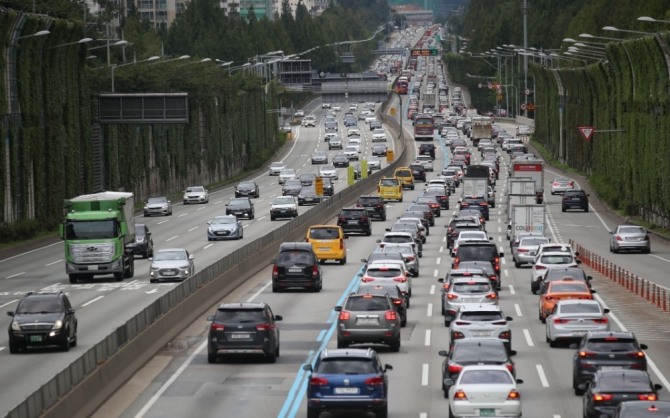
367,303
485,377
284,201
481,316
479,353
238,202
38,305
297,258
631,230
247,185
324,233
589,308
139,230
277,165
224,220
156,200
170,255
471,287
611,345
383,272
346,366
621,382
195,190
379,131
476,252
240,315
556,259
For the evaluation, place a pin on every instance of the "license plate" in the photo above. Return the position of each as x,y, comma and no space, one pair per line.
92,267
35,338
578,333
346,391
352,222
487,412
481,333
239,336
168,273
611,367
295,270
324,249
367,321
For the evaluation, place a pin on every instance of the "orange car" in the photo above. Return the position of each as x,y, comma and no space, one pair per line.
562,289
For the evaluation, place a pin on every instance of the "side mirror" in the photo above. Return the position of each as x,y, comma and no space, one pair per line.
10,313
363,260
279,318
509,318
190,257
606,310
657,386
210,318
579,261
443,353
441,280
512,352
388,367
209,222
338,308
307,368
643,346
448,382
501,254
378,241
519,381
581,386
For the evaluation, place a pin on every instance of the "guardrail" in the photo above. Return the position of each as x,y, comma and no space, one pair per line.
654,293
85,384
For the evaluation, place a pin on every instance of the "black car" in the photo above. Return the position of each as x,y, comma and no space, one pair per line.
307,179
247,189
400,299
559,273
355,220
340,160
296,265
43,319
379,150
441,195
478,251
487,268
433,202
459,224
417,214
375,206
418,171
476,202
610,349
427,149
243,328
425,209
642,409
474,351
609,388
328,187
240,207
143,243
575,199
308,196
291,187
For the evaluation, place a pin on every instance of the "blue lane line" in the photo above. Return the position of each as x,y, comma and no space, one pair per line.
297,392
321,334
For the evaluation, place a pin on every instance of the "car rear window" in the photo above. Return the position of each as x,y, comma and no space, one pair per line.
556,259
568,287
324,233
346,366
589,308
388,182
559,273
382,272
477,252
611,345
240,315
485,353
486,377
398,238
481,316
471,287
632,230
403,173
292,258
623,383
367,303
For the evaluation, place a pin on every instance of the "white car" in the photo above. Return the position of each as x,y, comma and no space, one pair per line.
352,152
353,131
481,321
465,236
299,113
284,207
276,168
328,171
328,135
389,271
571,319
196,194
370,118
374,162
325,105
364,114
336,108
426,161
486,390
309,120
286,174
353,107
379,135
550,259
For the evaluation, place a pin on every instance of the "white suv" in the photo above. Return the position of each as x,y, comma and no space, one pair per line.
481,321
309,120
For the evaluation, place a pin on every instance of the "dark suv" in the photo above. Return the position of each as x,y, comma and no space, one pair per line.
143,244
368,318
43,319
418,171
608,350
243,328
296,265
375,206
350,380
575,199
478,251
355,220
427,149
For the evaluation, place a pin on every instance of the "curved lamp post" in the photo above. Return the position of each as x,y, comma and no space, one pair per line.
114,66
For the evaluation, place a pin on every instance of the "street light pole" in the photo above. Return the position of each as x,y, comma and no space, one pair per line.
115,66
524,9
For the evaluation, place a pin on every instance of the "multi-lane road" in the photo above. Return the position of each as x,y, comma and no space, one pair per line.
179,381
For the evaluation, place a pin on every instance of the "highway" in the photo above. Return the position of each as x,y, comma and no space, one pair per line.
179,380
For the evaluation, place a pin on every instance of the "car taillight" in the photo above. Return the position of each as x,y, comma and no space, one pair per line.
457,335
492,296
600,397
586,354
452,296
554,184
455,368
646,238
499,323
341,219
510,367
460,395
216,327
341,244
397,301
364,219
600,320
315,270
513,395
637,354
391,315
401,279
374,381
561,321
445,286
344,316
275,271
539,267
263,327
646,397
618,238
462,323
318,381
505,335
521,250
456,261
409,258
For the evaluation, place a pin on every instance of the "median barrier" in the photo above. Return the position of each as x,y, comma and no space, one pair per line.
85,384
654,293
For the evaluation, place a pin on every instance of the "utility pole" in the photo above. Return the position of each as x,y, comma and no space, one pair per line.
524,10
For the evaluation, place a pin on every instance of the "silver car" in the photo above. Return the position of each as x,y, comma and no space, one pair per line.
224,228
276,168
158,206
571,319
629,238
467,290
374,162
368,319
388,271
526,250
171,264
328,171
319,157
481,321
196,194
561,184
286,174
409,254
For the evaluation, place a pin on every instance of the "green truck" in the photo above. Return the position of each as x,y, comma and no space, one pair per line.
98,230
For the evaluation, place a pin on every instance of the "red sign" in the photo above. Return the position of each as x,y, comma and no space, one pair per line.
587,132
527,167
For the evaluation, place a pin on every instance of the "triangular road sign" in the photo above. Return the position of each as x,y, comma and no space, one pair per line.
587,132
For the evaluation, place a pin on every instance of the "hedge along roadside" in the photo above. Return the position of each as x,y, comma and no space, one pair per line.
85,384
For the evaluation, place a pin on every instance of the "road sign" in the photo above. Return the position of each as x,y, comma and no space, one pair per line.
587,132
424,52
318,185
389,156
527,92
530,106
523,106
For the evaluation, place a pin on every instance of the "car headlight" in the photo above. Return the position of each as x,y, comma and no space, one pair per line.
16,326
58,324
146,207
153,268
139,239
210,230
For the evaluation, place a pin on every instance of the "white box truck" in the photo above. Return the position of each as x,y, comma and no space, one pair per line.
527,219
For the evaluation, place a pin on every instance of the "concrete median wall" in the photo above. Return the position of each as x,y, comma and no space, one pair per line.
81,387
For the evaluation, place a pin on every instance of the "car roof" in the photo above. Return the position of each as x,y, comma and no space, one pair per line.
471,278
604,334
285,246
347,352
242,305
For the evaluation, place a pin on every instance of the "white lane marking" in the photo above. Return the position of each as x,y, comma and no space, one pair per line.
556,416
31,251
424,375
170,239
435,273
423,415
441,248
543,377
517,308
183,214
151,291
207,246
15,275
53,262
8,303
529,340
432,289
193,229
439,260
201,208
220,201
650,362
660,258
162,222
92,301
426,340
511,289
502,260
444,239
255,295
506,273
261,218
429,310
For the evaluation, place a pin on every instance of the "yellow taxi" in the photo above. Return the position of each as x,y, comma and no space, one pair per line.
404,174
389,188
327,243
568,288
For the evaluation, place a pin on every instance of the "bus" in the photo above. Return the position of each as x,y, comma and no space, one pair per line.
424,127
401,85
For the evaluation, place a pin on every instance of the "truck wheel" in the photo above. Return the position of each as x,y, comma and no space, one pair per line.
129,272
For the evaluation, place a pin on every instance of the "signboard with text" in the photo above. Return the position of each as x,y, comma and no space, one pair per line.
424,52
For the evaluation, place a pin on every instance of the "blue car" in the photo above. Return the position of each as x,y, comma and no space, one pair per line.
347,380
